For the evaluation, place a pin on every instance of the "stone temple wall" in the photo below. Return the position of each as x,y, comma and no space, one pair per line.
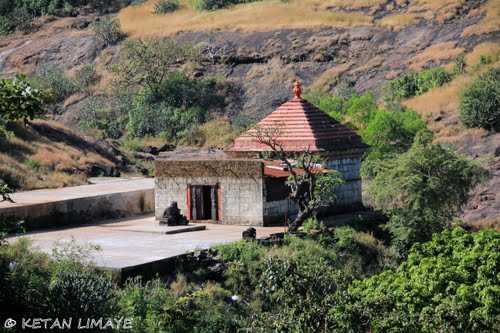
242,200
349,193
241,187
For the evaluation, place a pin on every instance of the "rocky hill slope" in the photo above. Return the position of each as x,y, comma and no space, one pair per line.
260,47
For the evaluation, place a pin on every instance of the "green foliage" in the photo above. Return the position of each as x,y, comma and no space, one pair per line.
460,64
5,192
388,132
215,4
175,108
392,132
450,284
98,114
166,6
150,62
55,82
480,103
81,294
422,190
108,31
85,77
33,164
297,296
19,14
155,308
360,110
19,101
413,84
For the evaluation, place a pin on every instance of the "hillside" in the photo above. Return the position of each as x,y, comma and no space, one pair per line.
258,48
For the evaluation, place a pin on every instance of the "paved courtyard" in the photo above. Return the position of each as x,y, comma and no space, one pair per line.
135,241
98,187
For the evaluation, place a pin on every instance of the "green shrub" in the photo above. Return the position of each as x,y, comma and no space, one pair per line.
413,84
480,103
33,164
404,86
108,31
297,296
55,81
392,132
5,192
422,190
19,101
83,294
85,77
25,277
432,78
155,308
173,109
447,285
215,4
165,6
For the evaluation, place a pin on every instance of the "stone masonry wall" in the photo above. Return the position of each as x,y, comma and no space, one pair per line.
349,193
242,198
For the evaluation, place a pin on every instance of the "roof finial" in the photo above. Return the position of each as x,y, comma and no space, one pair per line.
297,89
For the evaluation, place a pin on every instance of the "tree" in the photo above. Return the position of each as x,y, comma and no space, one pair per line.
5,192
422,190
450,284
311,187
480,103
19,101
149,62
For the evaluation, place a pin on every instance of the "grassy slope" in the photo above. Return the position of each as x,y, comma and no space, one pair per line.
47,155
267,15
444,101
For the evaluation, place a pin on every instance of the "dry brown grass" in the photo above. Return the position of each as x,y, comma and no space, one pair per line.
397,22
490,22
435,53
36,161
489,49
444,101
218,133
493,223
330,77
138,21
439,10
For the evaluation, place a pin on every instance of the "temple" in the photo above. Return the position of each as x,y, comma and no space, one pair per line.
243,185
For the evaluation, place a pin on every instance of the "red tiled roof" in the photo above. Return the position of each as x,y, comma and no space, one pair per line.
301,126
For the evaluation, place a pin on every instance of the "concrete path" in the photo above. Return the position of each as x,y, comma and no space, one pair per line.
108,198
102,187
137,241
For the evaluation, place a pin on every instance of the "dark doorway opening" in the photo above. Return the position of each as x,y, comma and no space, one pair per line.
204,203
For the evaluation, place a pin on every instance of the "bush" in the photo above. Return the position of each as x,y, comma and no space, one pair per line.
446,285
413,84
422,190
179,105
85,77
108,31
392,132
155,308
480,103
166,6
19,101
83,294
54,80
215,4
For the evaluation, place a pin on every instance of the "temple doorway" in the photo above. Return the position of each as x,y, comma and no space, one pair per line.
204,203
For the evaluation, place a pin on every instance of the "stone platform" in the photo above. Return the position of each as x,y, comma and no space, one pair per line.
139,246
108,198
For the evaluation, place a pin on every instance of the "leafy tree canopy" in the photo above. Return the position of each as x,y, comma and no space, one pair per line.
450,284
